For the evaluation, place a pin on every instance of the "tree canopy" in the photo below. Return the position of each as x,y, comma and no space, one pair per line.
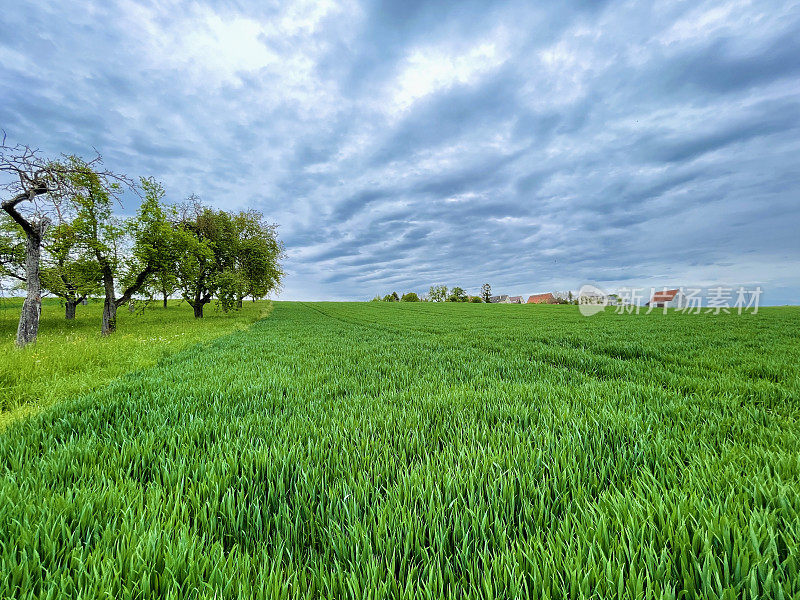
457,294
61,233
68,271
486,292
226,256
437,293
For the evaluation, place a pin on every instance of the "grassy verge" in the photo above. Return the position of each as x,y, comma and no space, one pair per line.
72,358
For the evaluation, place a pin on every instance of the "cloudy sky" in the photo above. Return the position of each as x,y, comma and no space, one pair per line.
402,143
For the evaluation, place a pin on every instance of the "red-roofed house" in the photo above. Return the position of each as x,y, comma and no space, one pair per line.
667,298
547,298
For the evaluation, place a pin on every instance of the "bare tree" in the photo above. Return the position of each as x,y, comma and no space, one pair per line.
35,186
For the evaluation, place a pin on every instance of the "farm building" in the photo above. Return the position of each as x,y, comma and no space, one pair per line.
592,298
547,298
515,300
667,298
501,299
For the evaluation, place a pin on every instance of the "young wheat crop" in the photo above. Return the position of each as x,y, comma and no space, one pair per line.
381,450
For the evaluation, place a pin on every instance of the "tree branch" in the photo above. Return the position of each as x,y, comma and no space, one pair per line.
15,276
141,278
10,206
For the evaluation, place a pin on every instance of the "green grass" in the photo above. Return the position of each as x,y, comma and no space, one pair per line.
382,450
71,358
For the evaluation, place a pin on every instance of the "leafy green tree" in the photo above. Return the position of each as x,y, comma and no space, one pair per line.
196,270
437,293
230,284
207,252
226,257
162,283
476,299
149,236
457,295
12,250
35,187
393,297
150,267
486,292
258,255
68,271
410,297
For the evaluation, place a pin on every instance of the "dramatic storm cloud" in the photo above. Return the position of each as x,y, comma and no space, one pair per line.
402,143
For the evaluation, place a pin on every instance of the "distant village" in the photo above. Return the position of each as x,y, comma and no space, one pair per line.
439,293
547,298
659,299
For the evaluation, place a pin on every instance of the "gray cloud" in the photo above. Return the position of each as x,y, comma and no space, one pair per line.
405,143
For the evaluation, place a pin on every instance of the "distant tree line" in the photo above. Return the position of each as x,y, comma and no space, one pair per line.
62,233
436,293
441,293
393,297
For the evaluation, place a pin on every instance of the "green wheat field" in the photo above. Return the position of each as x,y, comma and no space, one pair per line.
393,450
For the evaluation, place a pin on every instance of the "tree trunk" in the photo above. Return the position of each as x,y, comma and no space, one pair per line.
239,302
109,317
165,299
28,327
69,309
198,310
110,304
